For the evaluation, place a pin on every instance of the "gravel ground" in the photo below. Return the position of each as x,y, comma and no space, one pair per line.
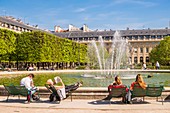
81,106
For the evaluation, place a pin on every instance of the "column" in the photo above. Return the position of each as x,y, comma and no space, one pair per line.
144,54
138,55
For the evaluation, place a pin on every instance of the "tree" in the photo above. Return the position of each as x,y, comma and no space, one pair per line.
7,41
161,53
37,46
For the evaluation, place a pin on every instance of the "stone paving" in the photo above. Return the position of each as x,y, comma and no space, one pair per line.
81,106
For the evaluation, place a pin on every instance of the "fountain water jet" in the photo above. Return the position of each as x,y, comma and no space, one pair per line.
108,60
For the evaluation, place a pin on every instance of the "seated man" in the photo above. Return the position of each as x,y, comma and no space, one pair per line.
29,84
62,89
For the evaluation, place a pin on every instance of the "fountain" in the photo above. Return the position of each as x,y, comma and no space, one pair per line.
107,60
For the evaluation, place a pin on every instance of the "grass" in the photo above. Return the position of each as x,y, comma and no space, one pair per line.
39,79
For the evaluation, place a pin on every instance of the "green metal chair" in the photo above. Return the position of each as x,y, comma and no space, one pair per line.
117,92
155,91
11,90
138,92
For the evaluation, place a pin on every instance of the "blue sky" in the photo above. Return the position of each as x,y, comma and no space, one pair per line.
97,14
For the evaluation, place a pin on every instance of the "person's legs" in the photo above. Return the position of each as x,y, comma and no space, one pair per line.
33,95
72,87
29,96
128,97
124,99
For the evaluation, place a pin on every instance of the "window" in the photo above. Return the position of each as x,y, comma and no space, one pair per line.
136,37
141,37
147,36
107,38
135,59
141,59
147,50
86,39
153,36
159,36
130,38
135,50
141,50
147,59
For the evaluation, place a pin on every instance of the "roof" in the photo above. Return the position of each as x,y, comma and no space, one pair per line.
16,23
111,33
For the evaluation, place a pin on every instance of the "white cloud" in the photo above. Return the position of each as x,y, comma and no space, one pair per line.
139,2
144,3
79,10
84,9
124,26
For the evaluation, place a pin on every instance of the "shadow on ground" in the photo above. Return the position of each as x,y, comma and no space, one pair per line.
102,102
23,101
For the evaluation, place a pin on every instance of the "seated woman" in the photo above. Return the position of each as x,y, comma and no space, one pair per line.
116,84
139,81
62,89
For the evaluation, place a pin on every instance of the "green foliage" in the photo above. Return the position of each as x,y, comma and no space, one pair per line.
7,41
165,67
161,53
39,46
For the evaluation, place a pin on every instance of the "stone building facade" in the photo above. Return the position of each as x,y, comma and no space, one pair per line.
13,24
141,41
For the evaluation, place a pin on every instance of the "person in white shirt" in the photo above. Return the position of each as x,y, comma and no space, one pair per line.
144,65
157,65
29,84
27,81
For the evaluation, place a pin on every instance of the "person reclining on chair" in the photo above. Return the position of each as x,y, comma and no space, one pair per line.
116,84
62,89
